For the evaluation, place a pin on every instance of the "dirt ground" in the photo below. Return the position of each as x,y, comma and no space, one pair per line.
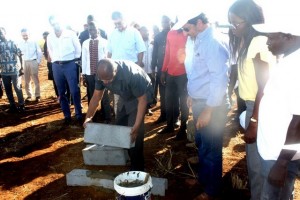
37,151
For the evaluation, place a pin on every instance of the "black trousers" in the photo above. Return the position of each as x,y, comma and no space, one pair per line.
176,96
136,153
162,93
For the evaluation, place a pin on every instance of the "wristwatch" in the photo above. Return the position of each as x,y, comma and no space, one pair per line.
252,119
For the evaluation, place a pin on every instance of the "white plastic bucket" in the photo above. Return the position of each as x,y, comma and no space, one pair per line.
141,192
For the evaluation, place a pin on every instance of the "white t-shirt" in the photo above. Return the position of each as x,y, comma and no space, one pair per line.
280,102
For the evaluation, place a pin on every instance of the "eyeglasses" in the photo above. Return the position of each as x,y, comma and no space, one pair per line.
186,29
236,25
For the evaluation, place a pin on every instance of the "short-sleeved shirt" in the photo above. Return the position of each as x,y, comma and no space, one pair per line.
280,102
9,58
130,82
125,45
246,74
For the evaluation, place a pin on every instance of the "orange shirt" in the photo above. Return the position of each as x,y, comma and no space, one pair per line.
175,53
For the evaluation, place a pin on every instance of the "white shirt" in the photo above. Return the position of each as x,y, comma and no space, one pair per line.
147,58
125,45
85,58
30,50
280,102
63,48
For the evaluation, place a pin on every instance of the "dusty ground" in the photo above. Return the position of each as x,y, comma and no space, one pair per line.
37,152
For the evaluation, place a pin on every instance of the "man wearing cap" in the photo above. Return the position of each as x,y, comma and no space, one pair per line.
278,136
206,64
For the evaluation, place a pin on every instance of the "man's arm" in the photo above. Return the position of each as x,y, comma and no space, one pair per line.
262,75
140,59
141,109
94,103
278,172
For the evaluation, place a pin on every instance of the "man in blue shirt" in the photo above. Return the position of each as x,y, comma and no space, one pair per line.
206,65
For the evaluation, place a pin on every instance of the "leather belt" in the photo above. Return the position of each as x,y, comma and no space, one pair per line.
63,62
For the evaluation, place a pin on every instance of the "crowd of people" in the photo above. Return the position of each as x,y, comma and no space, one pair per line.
193,67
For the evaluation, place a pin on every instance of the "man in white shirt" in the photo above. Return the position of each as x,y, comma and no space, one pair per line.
32,56
64,49
93,50
278,133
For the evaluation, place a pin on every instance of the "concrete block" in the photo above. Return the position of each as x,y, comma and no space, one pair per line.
160,185
104,155
82,177
108,135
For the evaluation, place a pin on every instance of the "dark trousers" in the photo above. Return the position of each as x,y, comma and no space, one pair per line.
136,153
50,77
162,93
68,72
176,96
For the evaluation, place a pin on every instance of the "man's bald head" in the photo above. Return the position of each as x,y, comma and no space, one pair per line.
106,70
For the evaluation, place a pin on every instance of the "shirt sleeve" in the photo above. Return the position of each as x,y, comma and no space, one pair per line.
167,55
154,54
38,52
140,45
77,46
99,85
84,57
218,69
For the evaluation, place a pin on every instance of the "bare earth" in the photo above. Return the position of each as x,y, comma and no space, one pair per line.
37,151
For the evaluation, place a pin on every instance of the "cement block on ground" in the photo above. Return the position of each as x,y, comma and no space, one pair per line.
109,135
160,185
82,177
104,155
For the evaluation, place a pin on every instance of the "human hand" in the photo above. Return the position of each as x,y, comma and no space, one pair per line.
134,133
251,133
204,118
163,78
87,120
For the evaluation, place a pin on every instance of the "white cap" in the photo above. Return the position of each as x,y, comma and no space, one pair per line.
184,18
280,16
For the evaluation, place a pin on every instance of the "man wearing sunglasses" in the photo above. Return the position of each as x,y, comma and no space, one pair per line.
206,64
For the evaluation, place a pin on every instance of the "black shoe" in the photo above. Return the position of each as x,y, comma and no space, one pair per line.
79,121
13,109
28,99
160,120
21,108
67,121
37,99
181,135
165,130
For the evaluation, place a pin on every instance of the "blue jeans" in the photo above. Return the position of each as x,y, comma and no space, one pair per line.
270,192
209,141
67,72
7,81
253,159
